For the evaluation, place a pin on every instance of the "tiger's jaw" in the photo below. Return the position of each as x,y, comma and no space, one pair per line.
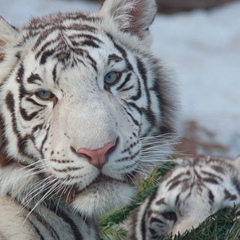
102,195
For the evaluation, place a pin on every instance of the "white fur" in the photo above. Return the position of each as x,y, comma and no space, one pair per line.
83,114
12,219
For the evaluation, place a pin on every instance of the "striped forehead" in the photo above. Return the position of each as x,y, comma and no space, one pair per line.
70,40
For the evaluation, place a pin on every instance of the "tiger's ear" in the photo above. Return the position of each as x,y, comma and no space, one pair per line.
8,35
237,163
133,16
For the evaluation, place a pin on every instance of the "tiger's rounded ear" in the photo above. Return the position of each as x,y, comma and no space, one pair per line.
237,163
8,35
133,16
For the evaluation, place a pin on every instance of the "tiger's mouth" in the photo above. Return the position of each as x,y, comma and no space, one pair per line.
101,179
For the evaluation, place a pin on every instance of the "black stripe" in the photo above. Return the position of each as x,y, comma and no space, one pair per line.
35,228
161,88
210,180
174,185
142,71
21,141
229,196
236,184
4,141
45,46
125,81
20,74
43,35
36,128
149,113
54,73
19,79
33,78
46,225
75,230
35,103
46,55
132,104
93,62
139,92
89,43
114,57
177,199
127,89
210,197
27,117
78,27
211,175
82,35
9,101
156,220
77,16
133,119
65,55
122,51
176,178
218,169
151,117
144,220
44,141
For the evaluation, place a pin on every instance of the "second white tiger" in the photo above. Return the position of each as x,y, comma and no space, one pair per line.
195,189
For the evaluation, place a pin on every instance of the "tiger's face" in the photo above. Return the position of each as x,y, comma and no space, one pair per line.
76,103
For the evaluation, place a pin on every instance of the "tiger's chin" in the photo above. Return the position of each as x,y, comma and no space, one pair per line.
101,197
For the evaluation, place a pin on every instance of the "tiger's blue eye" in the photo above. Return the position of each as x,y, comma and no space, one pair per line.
44,94
111,78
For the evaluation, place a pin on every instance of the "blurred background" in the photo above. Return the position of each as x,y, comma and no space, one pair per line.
199,43
172,6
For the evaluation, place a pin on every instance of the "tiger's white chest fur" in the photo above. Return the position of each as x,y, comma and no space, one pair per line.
195,189
80,94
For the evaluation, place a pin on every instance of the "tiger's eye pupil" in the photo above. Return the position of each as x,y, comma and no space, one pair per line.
44,94
111,77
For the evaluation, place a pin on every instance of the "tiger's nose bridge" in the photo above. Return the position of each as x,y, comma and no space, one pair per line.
92,129
92,110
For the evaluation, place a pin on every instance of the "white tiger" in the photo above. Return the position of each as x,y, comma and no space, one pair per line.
78,94
195,189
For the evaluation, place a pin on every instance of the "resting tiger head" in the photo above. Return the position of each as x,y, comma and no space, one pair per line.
79,93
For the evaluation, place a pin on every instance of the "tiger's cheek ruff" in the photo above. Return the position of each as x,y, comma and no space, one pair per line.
25,143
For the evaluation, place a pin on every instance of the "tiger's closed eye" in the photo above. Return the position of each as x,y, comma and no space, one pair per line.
172,216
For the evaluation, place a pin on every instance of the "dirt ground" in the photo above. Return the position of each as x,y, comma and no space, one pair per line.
199,140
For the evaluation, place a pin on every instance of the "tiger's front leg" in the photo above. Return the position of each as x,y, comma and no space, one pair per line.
13,217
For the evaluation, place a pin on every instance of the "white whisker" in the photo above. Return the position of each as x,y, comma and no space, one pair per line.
37,190
44,196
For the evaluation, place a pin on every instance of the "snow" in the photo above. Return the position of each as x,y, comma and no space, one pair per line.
19,12
201,47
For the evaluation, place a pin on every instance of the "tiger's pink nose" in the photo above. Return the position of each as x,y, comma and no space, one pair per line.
97,157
